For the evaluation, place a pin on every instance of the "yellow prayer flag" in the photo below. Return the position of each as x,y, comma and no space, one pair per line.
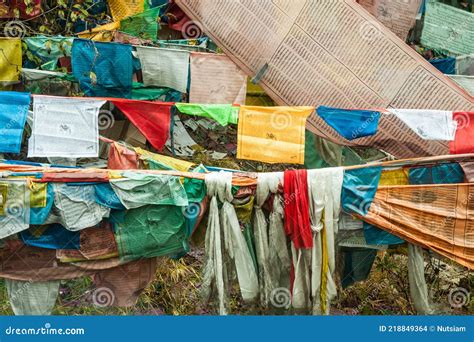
272,134
10,59
103,33
38,193
176,164
3,199
125,8
394,177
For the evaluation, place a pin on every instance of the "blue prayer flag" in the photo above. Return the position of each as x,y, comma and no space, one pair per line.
13,112
351,124
103,69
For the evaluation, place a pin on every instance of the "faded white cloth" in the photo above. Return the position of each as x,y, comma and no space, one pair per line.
301,296
32,298
267,183
14,207
164,67
75,207
324,187
278,254
64,127
416,277
428,124
466,82
216,79
224,240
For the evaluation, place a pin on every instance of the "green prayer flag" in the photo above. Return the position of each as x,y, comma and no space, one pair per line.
222,113
143,25
448,28
151,231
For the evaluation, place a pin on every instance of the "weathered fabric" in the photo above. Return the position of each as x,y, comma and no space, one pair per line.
324,188
351,124
272,134
416,277
428,124
13,112
102,33
32,298
48,49
437,217
14,207
171,163
301,286
265,183
278,254
121,158
41,201
26,263
359,188
137,190
151,118
143,25
52,236
463,142
150,231
103,69
75,207
448,28
96,243
297,220
224,114
64,127
216,79
122,8
122,285
10,59
164,67
226,247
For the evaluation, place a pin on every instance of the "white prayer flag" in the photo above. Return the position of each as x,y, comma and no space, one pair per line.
64,127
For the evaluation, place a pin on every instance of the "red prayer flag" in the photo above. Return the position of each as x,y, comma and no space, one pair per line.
463,142
297,222
151,118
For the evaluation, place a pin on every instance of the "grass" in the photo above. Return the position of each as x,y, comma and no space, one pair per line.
175,291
